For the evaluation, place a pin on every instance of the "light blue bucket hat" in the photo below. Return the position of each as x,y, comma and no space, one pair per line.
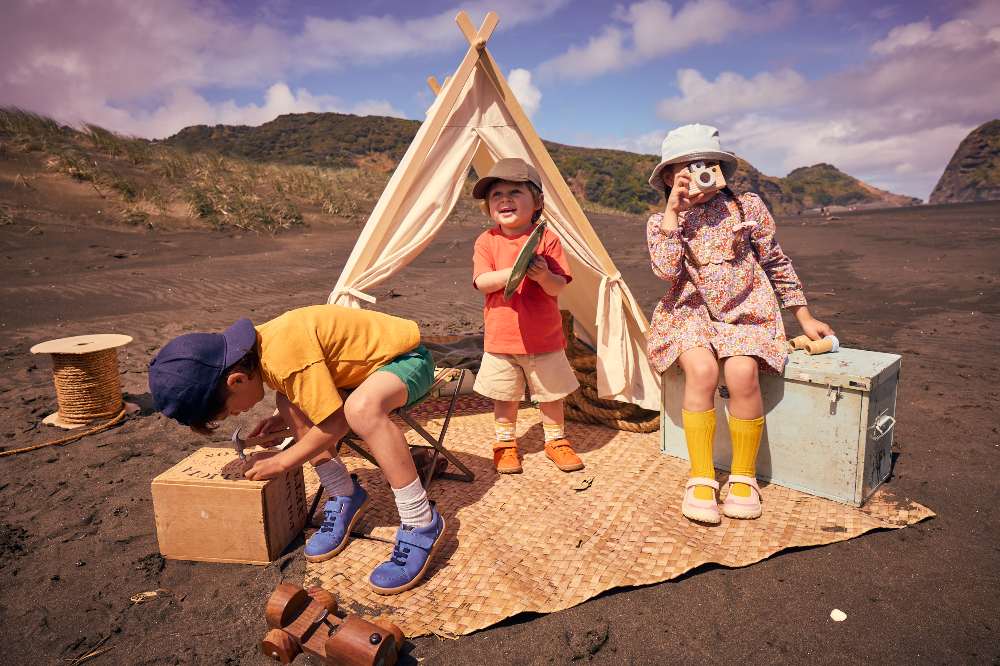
689,143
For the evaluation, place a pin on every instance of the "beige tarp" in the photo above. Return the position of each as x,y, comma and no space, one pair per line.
483,122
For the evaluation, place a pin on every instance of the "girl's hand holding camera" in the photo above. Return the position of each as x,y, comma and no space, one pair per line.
680,198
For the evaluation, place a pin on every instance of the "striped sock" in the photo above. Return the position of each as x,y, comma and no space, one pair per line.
553,431
504,430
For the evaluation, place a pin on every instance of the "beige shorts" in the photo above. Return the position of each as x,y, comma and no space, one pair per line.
549,376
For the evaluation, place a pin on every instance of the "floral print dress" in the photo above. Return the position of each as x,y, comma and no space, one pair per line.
727,274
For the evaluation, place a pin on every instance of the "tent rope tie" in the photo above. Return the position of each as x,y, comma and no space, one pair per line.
584,404
88,388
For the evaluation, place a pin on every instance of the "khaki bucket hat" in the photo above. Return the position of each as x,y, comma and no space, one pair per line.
690,143
512,169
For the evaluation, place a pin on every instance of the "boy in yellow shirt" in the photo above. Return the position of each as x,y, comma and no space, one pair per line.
308,357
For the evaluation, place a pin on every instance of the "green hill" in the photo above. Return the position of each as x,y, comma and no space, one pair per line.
318,139
140,182
601,178
826,185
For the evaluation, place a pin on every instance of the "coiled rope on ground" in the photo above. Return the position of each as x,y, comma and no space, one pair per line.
87,385
585,406
88,388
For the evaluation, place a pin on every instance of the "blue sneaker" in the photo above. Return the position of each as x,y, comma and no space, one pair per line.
339,515
415,546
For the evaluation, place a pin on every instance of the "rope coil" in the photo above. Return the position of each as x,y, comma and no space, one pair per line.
584,404
87,385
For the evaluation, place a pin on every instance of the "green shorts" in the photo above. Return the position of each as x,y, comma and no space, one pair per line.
416,369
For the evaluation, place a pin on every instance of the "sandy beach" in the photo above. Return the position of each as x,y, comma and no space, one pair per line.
77,536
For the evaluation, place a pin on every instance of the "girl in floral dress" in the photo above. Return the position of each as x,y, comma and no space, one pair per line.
727,279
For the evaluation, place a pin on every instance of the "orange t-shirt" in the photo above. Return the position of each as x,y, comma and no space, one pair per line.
309,353
529,323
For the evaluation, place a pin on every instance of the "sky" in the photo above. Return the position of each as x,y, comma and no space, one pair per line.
882,89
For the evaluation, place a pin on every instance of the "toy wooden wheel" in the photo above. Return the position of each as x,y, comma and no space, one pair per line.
396,632
279,646
285,603
358,641
324,599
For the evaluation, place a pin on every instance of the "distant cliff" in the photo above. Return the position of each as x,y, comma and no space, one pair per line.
973,174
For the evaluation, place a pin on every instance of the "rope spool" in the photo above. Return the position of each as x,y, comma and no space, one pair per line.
85,374
584,404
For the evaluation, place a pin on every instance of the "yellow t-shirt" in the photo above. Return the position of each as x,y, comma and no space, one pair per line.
308,353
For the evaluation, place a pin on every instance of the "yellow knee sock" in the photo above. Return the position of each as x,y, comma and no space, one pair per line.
699,431
745,434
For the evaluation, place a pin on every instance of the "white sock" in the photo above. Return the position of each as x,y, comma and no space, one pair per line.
411,502
335,478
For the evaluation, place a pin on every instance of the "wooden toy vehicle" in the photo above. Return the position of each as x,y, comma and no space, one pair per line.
302,621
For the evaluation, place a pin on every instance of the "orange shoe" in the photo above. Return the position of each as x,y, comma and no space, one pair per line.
562,454
505,458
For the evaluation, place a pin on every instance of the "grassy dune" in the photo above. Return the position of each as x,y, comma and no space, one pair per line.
151,180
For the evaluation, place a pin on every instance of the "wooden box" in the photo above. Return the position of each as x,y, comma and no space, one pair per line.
828,423
207,511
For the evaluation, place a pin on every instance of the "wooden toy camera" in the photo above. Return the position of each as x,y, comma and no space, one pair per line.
302,621
705,178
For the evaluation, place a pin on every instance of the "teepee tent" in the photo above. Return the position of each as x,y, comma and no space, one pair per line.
476,120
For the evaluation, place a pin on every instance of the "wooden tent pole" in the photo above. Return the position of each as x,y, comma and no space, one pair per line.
434,124
482,160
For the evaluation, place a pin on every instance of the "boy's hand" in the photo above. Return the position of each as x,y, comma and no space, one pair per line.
266,465
266,427
538,269
487,283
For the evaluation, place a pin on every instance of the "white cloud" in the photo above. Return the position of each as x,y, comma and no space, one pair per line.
730,93
369,39
906,163
375,107
957,35
184,107
903,36
894,120
647,143
650,28
603,53
142,67
524,90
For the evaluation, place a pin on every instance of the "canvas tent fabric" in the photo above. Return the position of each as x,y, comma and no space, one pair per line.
476,120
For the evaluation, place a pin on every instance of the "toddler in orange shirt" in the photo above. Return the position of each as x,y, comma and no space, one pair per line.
524,340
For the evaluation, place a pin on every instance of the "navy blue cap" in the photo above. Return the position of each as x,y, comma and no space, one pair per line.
183,375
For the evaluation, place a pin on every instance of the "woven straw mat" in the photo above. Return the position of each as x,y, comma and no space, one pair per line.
545,540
